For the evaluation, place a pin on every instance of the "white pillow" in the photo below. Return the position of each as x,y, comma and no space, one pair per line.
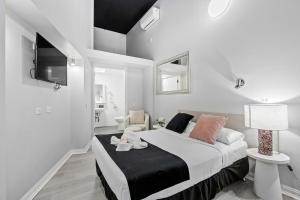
189,128
229,136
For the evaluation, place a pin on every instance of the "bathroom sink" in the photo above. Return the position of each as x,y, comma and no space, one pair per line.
100,110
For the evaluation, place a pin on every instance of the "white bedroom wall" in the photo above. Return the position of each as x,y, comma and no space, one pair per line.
35,142
73,18
79,122
256,40
135,88
88,115
109,41
148,92
2,104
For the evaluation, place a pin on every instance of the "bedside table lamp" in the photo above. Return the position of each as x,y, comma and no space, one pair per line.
266,118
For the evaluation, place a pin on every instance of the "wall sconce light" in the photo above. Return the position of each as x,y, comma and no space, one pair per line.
72,61
216,8
239,83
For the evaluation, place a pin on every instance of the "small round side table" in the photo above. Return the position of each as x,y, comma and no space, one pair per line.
266,177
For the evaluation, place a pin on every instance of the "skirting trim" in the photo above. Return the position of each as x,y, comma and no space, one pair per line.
286,190
46,178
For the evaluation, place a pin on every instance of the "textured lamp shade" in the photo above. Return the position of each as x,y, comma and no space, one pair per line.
266,118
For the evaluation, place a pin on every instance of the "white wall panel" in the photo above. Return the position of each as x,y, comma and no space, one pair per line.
256,40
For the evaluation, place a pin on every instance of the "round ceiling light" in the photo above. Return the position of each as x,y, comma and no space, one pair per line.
216,8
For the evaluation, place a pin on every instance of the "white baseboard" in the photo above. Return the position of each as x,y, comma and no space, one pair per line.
286,190
46,178
81,151
291,192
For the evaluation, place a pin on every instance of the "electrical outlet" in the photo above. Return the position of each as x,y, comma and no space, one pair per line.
38,110
49,109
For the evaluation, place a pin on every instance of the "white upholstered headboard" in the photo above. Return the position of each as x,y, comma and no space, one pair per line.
235,121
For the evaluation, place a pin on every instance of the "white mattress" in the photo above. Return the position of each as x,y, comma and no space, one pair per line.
202,159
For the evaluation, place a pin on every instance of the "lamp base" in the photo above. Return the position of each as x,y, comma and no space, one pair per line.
265,143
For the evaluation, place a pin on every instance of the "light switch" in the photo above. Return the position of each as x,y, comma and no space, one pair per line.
49,109
38,110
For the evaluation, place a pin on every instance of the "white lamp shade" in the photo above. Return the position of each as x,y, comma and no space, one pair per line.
266,116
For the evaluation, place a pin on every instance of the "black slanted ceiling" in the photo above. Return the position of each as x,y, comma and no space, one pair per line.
119,15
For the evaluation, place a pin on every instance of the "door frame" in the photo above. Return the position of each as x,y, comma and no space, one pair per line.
125,69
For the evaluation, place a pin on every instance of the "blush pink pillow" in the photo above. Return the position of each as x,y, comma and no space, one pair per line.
208,128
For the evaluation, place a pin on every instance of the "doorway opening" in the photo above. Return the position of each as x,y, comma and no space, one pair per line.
110,100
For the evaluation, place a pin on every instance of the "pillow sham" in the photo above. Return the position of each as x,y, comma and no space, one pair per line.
179,122
229,136
208,128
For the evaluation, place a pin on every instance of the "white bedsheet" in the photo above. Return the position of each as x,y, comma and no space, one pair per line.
202,159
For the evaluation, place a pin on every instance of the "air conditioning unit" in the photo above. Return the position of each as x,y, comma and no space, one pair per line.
149,18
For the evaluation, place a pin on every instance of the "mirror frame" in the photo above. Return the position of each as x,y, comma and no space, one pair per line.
184,91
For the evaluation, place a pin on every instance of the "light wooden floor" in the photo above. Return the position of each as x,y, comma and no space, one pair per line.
106,130
77,180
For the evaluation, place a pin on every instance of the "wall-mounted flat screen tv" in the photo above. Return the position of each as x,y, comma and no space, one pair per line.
50,63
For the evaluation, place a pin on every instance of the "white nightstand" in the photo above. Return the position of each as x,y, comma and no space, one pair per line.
266,178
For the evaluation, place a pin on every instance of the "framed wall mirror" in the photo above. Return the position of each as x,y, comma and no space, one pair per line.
173,75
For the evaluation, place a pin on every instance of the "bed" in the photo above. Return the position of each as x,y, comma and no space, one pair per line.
207,168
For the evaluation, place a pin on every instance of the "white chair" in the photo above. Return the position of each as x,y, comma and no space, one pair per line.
137,127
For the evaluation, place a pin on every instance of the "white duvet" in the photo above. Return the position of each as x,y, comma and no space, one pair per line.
202,159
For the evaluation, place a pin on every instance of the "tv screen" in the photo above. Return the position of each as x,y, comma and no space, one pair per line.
50,63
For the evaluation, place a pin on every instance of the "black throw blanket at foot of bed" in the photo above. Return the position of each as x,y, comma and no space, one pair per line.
148,170
204,190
